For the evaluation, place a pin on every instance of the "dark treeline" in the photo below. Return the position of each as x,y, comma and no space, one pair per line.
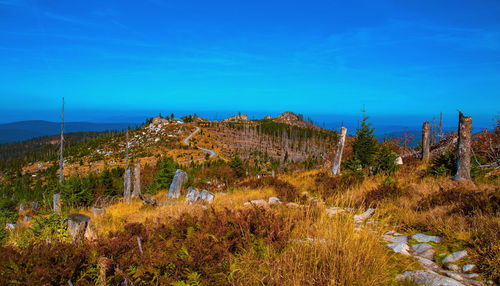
45,148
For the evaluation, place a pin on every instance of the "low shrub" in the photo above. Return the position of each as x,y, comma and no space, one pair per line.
188,248
328,186
463,201
387,190
284,190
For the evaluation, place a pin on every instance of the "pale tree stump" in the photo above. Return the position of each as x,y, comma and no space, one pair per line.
338,153
97,211
175,188
137,179
57,201
426,147
463,147
126,187
77,226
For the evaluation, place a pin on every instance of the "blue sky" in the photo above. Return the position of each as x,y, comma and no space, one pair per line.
126,59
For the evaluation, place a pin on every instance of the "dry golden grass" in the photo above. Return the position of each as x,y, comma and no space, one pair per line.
120,214
327,250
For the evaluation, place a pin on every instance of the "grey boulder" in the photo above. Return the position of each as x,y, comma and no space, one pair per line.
455,256
428,278
420,237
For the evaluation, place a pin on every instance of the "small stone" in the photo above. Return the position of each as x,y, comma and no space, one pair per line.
428,264
206,196
424,250
455,256
274,201
192,195
97,211
472,275
260,203
420,237
452,267
395,239
10,226
453,275
425,278
333,211
292,205
468,268
360,218
402,248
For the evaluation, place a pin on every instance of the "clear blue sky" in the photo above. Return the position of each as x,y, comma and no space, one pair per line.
114,59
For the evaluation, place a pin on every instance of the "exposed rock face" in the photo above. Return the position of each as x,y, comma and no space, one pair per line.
175,188
197,119
267,117
159,120
237,118
291,119
78,225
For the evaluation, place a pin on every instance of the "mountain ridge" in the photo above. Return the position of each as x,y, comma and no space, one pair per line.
27,129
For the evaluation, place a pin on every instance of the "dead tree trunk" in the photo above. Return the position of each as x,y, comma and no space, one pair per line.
126,191
338,153
425,141
57,193
137,178
126,176
463,147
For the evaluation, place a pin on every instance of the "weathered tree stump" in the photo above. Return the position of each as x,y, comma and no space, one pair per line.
57,201
147,200
463,147
137,178
97,211
338,153
175,188
426,147
77,225
126,187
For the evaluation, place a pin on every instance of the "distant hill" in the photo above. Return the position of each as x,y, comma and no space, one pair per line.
24,130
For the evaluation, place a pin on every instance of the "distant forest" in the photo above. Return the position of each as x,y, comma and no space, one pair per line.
45,148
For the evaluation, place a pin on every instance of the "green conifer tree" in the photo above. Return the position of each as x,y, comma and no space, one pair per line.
365,143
